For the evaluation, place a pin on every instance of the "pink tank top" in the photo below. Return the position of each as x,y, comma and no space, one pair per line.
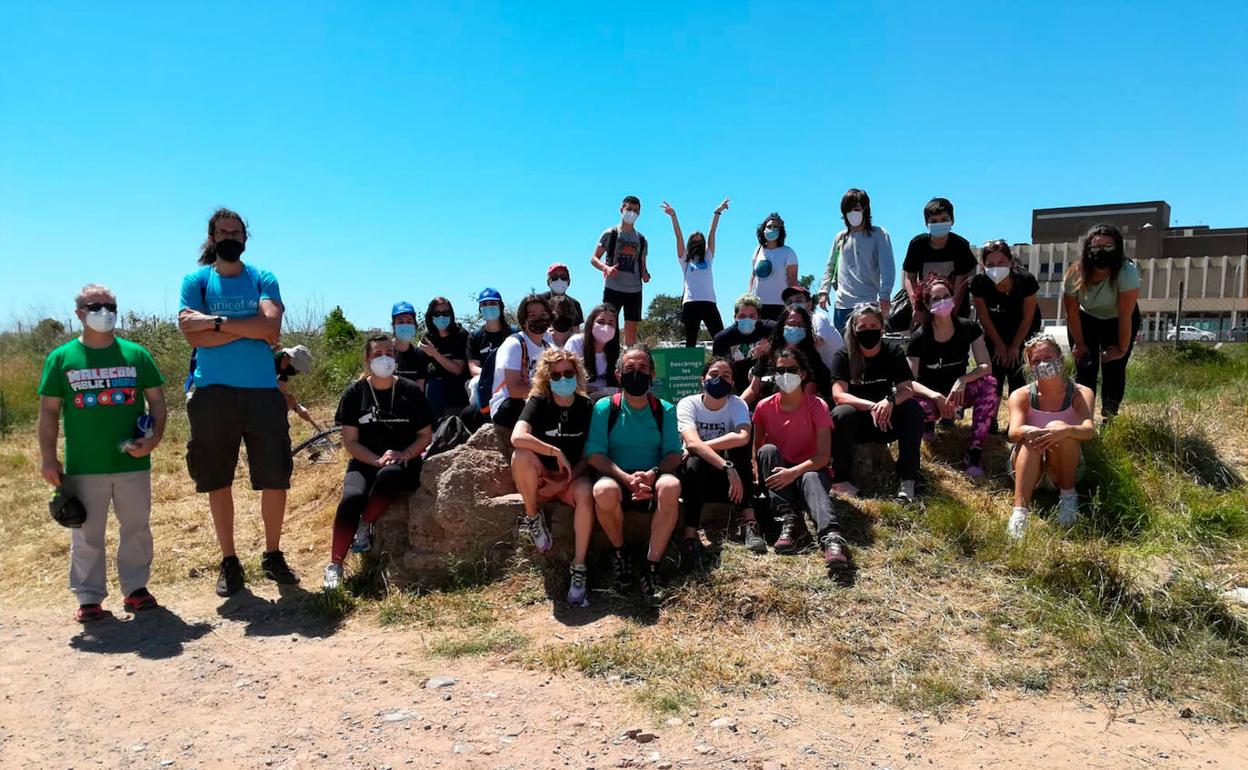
1038,418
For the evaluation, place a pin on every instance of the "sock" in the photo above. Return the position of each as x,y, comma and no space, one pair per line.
1069,493
1021,509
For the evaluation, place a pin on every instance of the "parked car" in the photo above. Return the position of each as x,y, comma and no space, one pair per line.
1191,333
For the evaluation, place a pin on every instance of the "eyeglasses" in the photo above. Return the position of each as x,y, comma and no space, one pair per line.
1101,249
95,307
788,370
563,375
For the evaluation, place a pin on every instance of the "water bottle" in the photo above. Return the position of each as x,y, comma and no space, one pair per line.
144,427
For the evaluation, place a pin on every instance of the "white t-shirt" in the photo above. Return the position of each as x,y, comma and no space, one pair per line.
769,289
576,346
699,284
692,413
510,357
830,340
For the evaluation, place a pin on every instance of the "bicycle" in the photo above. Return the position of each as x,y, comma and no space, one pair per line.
325,446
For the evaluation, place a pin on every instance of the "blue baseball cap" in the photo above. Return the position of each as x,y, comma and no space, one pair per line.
489,294
402,307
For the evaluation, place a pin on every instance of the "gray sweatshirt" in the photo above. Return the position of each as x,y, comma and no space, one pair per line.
864,269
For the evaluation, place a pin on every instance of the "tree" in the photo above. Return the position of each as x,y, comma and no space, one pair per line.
662,321
47,335
808,281
340,334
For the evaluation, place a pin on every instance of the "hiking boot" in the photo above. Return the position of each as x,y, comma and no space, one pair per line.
1017,525
333,577
276,569
648,582
974,463
535,526
835,550
363,540
578,587
753,541
139,600
691,552
905,492
1068,508
622,579
230,581
792,534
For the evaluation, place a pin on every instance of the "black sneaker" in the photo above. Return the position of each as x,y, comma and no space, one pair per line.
648,582
622,579
753,541
691,553
230,581
276,569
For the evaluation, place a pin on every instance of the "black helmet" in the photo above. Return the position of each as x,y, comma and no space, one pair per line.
67,510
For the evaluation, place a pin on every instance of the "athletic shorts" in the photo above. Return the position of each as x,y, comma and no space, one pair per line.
626,301
221,419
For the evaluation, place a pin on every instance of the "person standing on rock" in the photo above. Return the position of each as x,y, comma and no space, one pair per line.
386,425
635,445
621,256
549,459
100,383
232,315
558,278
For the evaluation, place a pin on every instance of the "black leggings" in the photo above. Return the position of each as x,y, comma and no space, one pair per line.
701,483
1099,334
362,483
1013,375
694,313
851,427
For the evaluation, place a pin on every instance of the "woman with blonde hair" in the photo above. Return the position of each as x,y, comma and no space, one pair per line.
1049,421
549,463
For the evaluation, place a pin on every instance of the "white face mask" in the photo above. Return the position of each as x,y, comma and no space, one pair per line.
382,366
101,320
558,286
788,382
854,218
630,217
997,274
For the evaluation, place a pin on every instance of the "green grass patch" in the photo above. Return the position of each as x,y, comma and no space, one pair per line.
436,609
486,642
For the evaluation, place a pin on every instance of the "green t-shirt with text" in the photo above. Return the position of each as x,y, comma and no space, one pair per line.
101,392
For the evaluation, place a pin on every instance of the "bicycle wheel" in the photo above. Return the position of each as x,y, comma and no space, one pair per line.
323,447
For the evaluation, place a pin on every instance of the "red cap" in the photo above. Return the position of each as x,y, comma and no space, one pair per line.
557,266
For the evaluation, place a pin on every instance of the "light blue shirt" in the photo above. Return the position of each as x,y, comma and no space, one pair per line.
242,363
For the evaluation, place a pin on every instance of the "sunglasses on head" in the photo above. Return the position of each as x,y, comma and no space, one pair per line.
95,307
555,376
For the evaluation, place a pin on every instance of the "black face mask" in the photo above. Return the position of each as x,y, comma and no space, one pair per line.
562,324
635,383
539,326
869,338
229,249
290,371
1102,260
717,387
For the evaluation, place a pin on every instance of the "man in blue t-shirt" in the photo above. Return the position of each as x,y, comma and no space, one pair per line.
637,452
231,313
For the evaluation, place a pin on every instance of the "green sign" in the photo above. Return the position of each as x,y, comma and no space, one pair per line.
678,372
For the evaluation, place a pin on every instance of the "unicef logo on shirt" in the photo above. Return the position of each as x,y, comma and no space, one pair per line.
763,268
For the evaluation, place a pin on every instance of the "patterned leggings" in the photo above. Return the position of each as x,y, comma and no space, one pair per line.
981,397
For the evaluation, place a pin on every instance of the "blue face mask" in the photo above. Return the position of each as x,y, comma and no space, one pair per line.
939,229
491,312
746,325
442,322
405,332
564,387
794,334
771,234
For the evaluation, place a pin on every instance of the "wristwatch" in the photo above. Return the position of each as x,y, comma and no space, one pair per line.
891,398
216,322
728,465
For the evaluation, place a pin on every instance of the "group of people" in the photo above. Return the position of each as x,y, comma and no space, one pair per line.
793,385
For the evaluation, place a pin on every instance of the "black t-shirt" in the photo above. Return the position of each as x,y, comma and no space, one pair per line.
482,342
956,258
1006,308
454,346
411,363
386,419
564,427
735,346
940,363
578,317
880,374
819,373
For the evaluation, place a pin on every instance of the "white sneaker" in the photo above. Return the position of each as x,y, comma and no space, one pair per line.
1068,508
363,540
578,587
1018,524
538,533
905,492
333,577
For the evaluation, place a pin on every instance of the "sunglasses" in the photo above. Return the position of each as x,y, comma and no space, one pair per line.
441,314
788,370
96,307
1101,250
564,375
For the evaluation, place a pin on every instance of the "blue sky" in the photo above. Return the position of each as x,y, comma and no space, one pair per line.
401,150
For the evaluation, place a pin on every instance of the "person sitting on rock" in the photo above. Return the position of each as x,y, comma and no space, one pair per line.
549,458
1049,421
635,446
386,425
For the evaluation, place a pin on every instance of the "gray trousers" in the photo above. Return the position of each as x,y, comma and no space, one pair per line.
131,498
809,493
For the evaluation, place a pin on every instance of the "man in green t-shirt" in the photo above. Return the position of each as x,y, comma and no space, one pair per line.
103,385
635,447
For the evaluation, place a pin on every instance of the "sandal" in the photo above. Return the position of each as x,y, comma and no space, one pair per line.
139,600
89,613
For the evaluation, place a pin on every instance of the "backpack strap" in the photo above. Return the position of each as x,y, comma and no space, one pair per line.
612,239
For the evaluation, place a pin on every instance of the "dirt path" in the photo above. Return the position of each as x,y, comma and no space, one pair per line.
254,684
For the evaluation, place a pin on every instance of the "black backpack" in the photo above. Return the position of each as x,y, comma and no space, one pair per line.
609,254
451,432
485,382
